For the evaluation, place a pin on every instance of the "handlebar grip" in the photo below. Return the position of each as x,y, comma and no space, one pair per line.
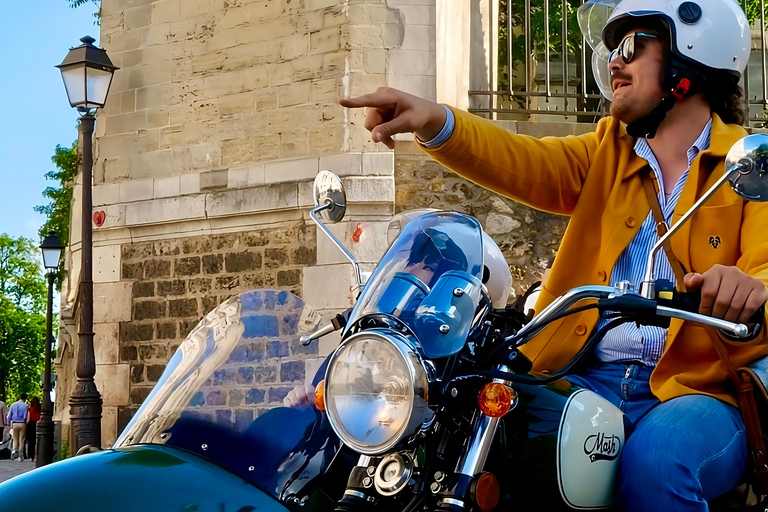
691,301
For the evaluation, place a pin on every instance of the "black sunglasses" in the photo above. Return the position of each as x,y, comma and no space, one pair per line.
626,48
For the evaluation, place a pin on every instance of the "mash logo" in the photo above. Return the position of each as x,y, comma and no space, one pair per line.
602,447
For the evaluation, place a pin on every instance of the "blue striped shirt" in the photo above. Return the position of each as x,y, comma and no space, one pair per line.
645,344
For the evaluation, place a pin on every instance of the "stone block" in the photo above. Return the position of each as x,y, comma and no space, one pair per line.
174,287
127,101
106,264
189,184
182,308
113,382
213,179
258,199
106,194
157,268
378,164
212,263
328,286
166,331
292,371
164,11
111,302
132,331
187,266
141,289
109,428
293,94
137,17
294,47
418,14
291,170
237,151
343,164
308,68
325,90
133,271
149,310
166,187
136,190
412,62
243,261
370,189
106,343
293,145
165,210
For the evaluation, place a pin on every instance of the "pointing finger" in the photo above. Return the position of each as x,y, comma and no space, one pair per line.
378,99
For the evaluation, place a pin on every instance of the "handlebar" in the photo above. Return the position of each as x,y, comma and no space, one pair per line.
611,299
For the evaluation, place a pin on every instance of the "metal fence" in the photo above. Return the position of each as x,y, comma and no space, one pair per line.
541,66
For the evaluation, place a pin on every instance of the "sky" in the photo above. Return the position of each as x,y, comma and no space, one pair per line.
37,113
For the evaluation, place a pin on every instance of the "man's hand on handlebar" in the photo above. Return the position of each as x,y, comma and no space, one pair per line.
300,395
390,112
727,293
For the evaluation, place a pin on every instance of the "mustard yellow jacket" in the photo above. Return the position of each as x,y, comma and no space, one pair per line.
594,179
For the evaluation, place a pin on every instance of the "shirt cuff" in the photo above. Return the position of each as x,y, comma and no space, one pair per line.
445,133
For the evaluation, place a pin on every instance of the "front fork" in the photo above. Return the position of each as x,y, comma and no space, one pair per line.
473,458
456,493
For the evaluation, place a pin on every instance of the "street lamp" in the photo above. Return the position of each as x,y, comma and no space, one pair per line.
87,73
51,249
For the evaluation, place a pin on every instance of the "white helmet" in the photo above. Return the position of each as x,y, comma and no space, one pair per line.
708,37
499,279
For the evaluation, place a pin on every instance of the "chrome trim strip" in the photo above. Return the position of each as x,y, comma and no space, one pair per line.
356,494
452,501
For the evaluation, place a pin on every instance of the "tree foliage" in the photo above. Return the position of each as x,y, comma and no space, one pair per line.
58,212
77,3
22,318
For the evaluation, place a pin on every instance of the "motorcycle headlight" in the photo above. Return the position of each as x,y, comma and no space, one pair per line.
376,391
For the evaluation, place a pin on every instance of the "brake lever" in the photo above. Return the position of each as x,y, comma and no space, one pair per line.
337,322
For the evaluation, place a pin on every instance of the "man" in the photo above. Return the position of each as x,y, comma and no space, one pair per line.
676,108
17,418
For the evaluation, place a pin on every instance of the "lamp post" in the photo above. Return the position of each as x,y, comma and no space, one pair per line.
51,249
87,73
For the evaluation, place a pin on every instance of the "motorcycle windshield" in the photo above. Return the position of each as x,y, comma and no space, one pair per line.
219,396
431,280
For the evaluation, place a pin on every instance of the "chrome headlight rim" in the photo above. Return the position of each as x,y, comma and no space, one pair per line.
420,376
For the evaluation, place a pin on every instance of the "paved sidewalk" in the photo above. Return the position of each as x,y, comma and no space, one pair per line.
12,468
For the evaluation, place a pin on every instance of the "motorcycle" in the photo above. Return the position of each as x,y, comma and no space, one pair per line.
426,404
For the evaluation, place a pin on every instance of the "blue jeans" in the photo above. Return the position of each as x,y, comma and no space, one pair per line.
680,453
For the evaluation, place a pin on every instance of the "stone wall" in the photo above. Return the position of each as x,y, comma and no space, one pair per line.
176,282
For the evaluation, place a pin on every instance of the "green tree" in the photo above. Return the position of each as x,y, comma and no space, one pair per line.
77,3
58,211
22,318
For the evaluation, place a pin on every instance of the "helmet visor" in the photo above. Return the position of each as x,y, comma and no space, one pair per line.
602,75
593,16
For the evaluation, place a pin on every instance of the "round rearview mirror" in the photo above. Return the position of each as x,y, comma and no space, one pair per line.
748,162
328,190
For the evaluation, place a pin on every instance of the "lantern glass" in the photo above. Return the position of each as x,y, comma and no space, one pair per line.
87,86
97,82
51,249
74,82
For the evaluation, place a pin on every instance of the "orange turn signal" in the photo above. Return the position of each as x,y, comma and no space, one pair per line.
495,399
320,395
484,491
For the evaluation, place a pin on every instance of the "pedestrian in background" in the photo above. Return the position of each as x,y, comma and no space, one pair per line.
3,419
33,416
17,417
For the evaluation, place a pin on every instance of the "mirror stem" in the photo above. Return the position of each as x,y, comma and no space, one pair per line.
329,206
648,287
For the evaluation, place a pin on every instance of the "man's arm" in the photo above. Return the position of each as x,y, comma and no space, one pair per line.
544,173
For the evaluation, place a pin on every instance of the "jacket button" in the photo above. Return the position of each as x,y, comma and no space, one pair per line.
581,330
602,276
630,221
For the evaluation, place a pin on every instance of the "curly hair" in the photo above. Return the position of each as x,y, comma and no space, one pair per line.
726,99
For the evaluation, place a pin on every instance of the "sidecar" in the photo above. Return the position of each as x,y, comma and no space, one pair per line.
201,441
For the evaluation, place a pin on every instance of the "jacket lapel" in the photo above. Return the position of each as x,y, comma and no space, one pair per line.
723,137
